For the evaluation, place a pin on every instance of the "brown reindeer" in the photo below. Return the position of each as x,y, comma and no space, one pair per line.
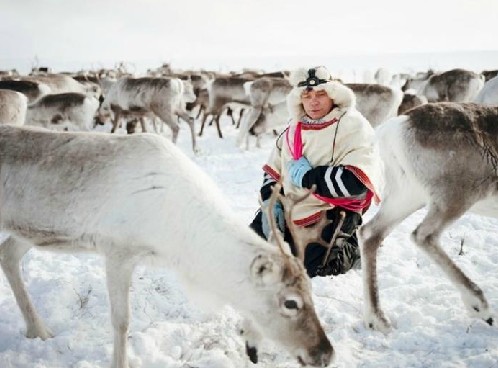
224,91
445,156
375,102
456,85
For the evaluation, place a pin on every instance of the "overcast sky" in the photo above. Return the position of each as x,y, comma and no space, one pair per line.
69,31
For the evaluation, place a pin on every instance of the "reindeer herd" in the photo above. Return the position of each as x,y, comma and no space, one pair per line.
126,197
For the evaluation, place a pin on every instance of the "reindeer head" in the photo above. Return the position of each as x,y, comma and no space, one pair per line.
288,315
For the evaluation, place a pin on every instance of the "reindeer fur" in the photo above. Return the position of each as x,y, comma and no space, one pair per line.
444,155
138,198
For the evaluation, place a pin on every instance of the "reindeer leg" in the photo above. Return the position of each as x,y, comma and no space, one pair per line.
217,121
142,124
370,237
427,235
190,121
252,339
175,129
170,120
241,114
154,124
248,121
204,118
201,108
115,122
229,112
11,252
119,271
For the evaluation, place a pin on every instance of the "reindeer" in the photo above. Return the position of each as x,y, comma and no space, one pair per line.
224,91
271,117
33,90
445,155
150,97
264,93
63,111
488,95
13,106
376,102
489,74
58,83
139,198
410,100
456,85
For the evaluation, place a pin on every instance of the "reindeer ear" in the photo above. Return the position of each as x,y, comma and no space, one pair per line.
265,270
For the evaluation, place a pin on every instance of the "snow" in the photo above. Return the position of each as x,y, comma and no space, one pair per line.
432,329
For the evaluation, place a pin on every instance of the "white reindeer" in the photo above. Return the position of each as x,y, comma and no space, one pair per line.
135,198
488,95
63,112
264,95
59,83
445,156
13,106
164,98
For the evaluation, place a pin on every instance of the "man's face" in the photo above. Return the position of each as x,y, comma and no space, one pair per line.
316,104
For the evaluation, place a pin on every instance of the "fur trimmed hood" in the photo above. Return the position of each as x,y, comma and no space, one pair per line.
317,78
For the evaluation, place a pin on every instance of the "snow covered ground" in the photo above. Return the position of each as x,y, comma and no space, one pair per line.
167,331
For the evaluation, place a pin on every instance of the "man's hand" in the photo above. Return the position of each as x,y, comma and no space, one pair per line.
297,169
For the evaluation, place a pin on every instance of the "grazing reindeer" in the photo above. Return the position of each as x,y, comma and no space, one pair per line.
138,197
445,155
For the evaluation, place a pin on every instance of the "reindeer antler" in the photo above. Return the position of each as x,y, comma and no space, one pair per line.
305,235
275,232
312,234
289,202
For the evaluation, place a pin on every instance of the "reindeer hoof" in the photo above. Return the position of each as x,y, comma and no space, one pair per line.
378,323
252,353
42,333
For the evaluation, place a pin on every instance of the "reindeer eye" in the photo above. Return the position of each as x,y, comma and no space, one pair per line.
291,304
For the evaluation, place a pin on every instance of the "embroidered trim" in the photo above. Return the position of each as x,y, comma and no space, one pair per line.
308,220
318,126
365,180
270,171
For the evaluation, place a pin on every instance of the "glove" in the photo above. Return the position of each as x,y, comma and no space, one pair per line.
278,213
297,169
